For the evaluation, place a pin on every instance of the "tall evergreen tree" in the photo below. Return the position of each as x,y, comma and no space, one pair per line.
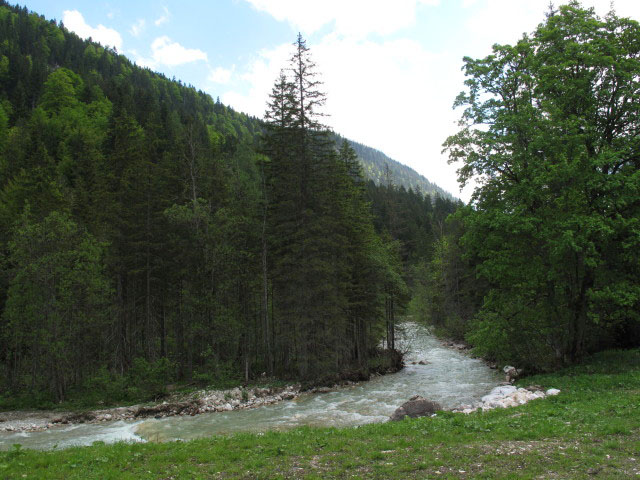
326,264
299,150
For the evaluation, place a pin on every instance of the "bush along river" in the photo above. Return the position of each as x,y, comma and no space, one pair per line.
441,374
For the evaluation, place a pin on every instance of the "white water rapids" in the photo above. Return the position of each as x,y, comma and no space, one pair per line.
449,377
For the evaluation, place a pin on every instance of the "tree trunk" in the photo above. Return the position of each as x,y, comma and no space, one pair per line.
580,316
265,283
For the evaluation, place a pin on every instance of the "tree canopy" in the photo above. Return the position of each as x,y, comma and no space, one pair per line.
551,133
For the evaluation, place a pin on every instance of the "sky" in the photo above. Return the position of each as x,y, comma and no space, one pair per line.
391,68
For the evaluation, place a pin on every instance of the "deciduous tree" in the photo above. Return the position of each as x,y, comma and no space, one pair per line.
551,131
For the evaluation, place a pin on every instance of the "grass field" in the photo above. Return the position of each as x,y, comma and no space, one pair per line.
590,430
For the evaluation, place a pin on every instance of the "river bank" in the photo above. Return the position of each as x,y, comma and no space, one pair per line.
202,401
591,429
182,404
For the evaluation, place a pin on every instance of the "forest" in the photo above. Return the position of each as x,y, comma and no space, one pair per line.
151,235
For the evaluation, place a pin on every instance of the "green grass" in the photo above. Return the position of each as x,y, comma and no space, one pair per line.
590,430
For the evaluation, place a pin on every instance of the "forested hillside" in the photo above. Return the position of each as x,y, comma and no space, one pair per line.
381,169
112,180
149,234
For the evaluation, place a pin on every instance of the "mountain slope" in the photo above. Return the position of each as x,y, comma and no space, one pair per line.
374,163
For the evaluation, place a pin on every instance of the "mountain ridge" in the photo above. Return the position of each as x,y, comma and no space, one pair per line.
375,162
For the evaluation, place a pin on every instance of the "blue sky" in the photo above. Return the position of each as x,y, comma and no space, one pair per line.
391,67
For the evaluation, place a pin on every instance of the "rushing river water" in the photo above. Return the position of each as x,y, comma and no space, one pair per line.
450,378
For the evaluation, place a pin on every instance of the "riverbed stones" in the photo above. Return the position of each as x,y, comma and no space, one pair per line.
457,346
81,417
202,401
503,397
416,407
506,396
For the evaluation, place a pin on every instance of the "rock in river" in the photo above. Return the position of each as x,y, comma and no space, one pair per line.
416,407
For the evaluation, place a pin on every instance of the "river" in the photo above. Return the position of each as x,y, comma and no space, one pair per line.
449,377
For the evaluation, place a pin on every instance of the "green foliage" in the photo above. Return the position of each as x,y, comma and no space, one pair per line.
553,227
331,276
222,377
152,377
61,90
114,147
144,381
58,298
103,387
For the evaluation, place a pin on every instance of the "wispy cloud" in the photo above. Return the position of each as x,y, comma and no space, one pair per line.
75,22
168,53
138,27
164,18
354,18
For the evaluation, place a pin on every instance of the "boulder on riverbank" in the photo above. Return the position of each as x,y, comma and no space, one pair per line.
511,373
416,407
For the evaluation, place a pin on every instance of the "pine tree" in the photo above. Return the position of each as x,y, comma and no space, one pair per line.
327,266
299,184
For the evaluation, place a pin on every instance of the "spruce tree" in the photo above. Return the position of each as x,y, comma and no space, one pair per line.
306,297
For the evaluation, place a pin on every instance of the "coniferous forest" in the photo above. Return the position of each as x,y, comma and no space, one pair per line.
158,246
150,235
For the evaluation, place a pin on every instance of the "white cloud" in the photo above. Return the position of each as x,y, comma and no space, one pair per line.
168,53
504,21
75,22
356,18
138,27
260,75
164,18
393,96
220,75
